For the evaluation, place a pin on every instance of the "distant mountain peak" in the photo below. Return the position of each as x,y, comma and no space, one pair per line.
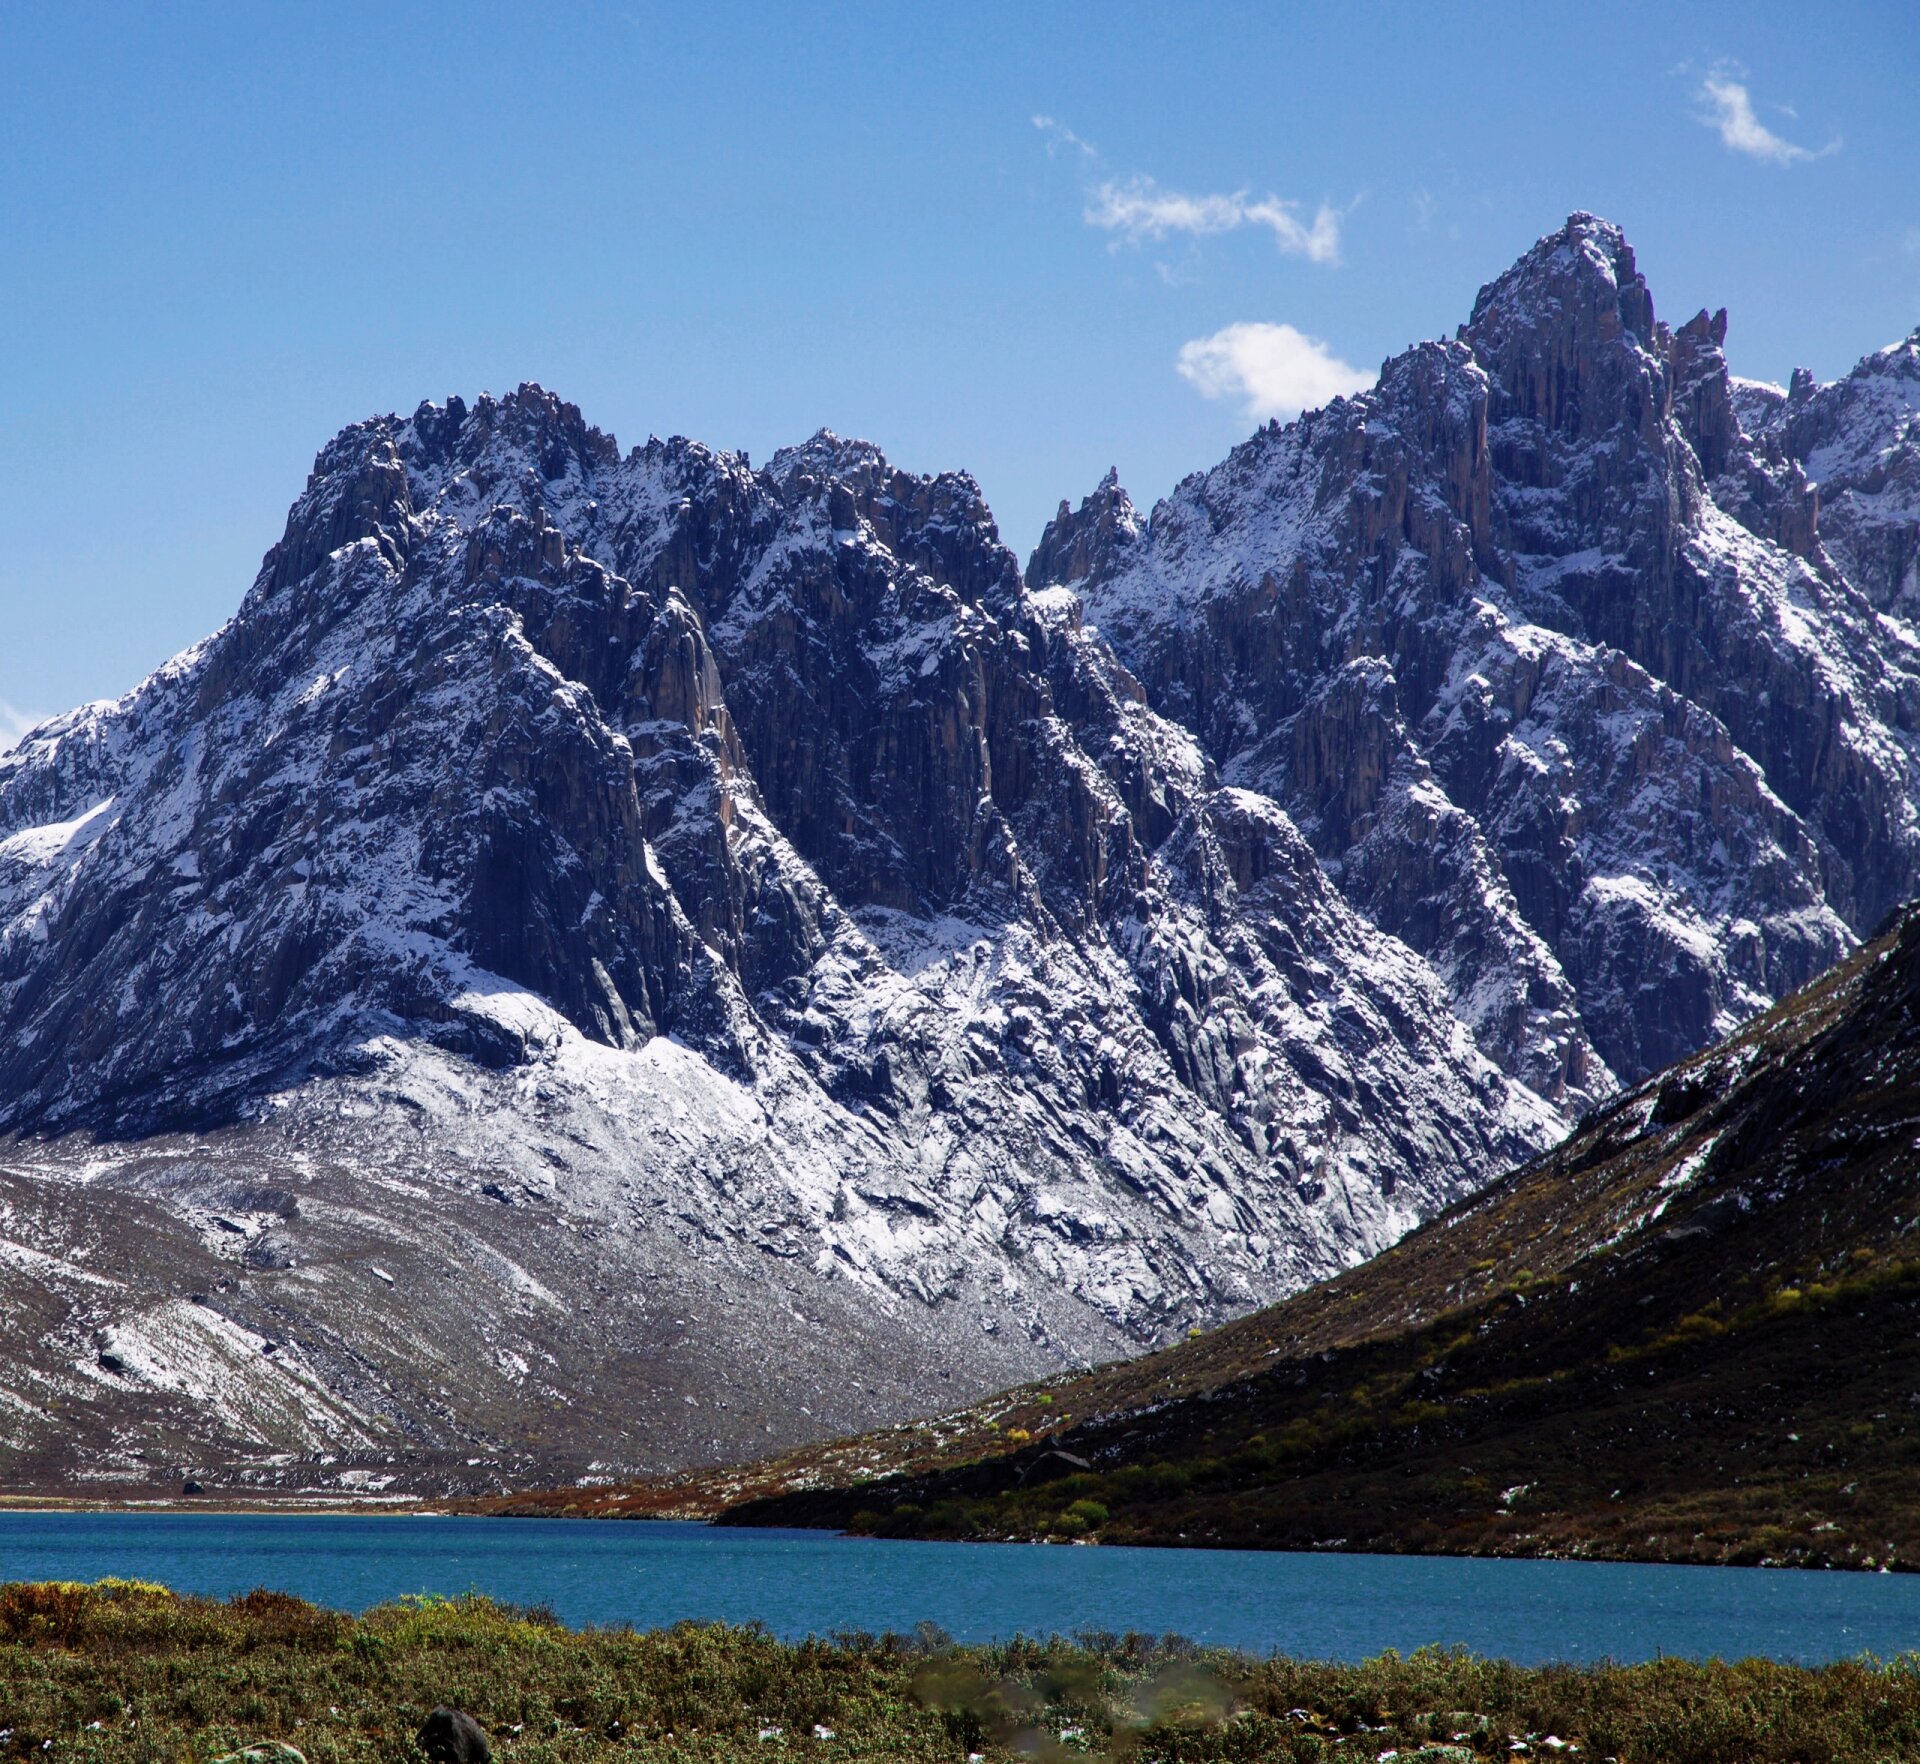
1566,507
522,748
1582,277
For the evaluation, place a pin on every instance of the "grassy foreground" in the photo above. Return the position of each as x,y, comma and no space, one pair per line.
127,1671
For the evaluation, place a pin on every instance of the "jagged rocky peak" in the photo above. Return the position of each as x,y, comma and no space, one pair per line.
1757,404
758,838
1703,391
1616,714
1576,352
751,867
1858,439
1721,417
938,523
529,423
1078,542
1550,334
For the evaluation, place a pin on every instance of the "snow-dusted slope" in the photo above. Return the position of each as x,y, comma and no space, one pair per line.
1858,440
1541,653
743,864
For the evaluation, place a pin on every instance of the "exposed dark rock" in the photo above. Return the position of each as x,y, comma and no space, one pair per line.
1086,541
739,870
1691,1333
1859,440
740,866
452,1736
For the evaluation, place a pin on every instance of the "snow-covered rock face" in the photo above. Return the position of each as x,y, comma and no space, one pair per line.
1538,646
744,864
1858,439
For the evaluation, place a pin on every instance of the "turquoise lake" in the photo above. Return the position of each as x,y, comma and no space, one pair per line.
803,1582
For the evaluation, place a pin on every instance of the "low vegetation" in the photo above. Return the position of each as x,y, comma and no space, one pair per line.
1776,1431
125,1671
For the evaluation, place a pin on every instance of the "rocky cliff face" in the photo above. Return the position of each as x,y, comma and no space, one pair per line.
1858,440
1691,1332
1537,643
743,868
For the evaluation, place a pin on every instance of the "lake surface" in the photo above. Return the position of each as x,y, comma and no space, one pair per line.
808,1582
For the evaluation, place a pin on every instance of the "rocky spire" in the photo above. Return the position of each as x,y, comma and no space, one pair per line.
1859,438
1082,542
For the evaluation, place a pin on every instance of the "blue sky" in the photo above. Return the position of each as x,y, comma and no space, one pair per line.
225,231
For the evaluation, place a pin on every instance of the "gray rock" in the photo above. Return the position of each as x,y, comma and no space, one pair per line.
747,873
451,1736
1859,440
747,870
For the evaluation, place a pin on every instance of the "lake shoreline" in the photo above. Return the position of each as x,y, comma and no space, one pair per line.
553,1508
1344,1604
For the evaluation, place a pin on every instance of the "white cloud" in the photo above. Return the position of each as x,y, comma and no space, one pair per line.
1059,136
14,724
1273,369
1729,109
1139,210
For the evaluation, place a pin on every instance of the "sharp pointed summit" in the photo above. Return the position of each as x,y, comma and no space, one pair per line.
1542,704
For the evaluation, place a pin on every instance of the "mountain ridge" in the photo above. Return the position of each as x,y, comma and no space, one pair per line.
759,874
1469,624
454,859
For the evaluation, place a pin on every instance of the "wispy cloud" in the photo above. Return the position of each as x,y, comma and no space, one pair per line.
1727,107
1137,210
14,724
1061,139
1273,370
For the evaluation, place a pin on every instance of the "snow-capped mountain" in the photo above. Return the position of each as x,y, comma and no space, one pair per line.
741,866
614,958
1539,647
